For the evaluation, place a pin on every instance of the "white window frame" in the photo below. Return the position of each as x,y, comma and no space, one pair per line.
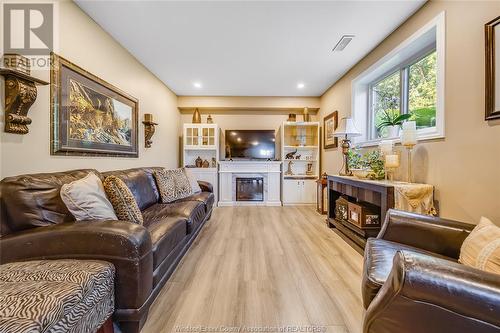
428,38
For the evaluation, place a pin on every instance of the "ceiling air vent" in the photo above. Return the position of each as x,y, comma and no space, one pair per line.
343,42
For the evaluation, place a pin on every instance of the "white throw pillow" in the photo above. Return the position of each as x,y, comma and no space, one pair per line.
192,180
86,200
481,249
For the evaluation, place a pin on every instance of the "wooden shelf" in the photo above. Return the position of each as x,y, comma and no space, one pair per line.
199,148
300,147
301,176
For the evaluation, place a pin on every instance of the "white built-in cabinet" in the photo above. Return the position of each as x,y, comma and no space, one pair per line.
202,141
300,173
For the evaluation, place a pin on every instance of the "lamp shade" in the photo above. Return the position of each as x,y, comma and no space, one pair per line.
346,129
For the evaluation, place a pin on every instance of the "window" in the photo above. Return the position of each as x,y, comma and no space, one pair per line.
407,80
409,89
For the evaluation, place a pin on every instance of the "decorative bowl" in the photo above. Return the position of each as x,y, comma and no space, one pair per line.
361,173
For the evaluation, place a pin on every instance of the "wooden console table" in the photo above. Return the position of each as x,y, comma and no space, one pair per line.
378,193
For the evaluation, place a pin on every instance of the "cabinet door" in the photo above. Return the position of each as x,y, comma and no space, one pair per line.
192,136
207,136
308,191
291,190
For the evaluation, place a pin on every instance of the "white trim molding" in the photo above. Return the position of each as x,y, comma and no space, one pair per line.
431,35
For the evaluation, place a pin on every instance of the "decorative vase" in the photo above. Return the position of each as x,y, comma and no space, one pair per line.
292,117
307,117
206,164
196,117
392,132
210,120
198,162
214,162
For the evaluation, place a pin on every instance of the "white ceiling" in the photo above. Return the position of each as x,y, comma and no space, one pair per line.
248,48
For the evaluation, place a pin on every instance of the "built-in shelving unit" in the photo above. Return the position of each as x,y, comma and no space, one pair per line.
202,141
301,171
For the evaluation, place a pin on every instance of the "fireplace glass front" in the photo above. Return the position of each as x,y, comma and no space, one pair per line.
250,189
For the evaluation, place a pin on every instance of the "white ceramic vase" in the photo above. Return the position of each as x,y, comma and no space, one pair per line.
392,132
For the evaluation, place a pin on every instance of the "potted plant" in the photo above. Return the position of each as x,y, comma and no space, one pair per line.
392,121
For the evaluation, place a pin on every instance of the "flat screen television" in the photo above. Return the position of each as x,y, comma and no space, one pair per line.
250,144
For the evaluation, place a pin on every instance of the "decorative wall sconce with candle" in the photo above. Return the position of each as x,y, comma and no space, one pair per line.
149,129
409,140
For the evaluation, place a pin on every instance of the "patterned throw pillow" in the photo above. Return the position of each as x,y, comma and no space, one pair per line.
173,184
123,200
481,249
195,187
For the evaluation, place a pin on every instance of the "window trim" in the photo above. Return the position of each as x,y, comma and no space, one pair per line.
429,36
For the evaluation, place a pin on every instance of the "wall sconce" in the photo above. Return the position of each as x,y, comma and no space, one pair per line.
149,129
20,92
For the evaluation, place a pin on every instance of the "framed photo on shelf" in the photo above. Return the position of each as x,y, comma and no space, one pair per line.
89,116
330,124
492,94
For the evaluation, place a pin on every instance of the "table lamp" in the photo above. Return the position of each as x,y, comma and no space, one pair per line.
346,130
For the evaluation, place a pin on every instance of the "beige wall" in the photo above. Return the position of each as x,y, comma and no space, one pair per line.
84,43
464,167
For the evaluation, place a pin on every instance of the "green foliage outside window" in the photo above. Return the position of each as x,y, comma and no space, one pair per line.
386,96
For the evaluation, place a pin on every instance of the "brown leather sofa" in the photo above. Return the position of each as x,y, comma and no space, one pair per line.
413,283
35,224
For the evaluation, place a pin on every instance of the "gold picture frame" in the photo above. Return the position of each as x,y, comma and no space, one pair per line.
492,61
89,116
330,124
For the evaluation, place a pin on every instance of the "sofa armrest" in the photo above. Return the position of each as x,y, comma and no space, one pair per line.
428,294
206,186
126,245
429,233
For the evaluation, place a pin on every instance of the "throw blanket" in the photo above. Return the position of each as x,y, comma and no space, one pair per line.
415,198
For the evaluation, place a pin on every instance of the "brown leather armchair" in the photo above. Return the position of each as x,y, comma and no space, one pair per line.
412,281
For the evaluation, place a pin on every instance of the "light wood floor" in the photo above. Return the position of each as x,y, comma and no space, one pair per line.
263,266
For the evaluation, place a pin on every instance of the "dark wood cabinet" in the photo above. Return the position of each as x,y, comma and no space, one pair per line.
377,196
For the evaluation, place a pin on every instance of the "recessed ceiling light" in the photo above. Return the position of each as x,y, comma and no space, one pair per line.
238,139
300,85
197,84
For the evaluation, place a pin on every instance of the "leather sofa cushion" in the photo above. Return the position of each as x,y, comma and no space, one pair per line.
34,200
192,211
206,198
141,183
378,259
166,233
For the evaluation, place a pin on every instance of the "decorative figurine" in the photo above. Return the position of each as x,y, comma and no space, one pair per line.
289,156
297,157
210,120
289,171
206,164
292,117
214,162
198,162
309,169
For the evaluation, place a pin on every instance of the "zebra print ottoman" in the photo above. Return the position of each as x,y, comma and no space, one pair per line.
56,296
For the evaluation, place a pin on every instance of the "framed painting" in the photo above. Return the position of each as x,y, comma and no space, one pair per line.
330,124
90,117
492,47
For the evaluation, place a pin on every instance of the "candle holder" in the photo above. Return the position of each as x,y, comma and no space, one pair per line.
392,161
409,140
409,148
149,129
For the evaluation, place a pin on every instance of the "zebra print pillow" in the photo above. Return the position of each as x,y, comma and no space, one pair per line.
173,184
123,200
